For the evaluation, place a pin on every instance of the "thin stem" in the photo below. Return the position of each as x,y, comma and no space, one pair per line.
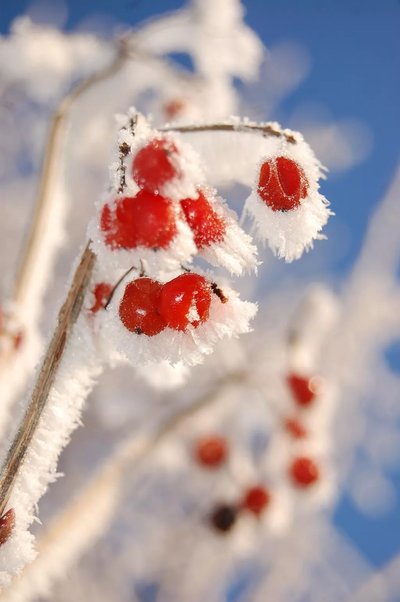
44,197
265,129
66,319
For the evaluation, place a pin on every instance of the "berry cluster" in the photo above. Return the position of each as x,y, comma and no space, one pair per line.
163,211
148,307
211,453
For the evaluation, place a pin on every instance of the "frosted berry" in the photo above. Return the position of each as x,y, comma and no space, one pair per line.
211,451
154,165
7,523
282,184
295,428
185,301
304,472
138,309
301,389
223,518
207,226
101,293
256,499
146,220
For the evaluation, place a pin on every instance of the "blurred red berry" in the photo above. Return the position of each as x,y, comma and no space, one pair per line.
295,428
146,220
256,499
138,309
174,107
301,390
101,292
185,301
304,471
282,184
211,451
153,165
207,226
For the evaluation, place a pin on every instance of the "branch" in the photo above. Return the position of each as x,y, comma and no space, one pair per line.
66,318
265,129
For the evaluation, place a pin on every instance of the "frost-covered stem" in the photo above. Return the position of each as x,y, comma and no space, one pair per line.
265,129
67,317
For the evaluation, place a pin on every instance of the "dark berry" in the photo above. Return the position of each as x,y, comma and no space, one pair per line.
223,518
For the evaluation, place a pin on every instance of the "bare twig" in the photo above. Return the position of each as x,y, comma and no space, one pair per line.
265,129
66,318
49,171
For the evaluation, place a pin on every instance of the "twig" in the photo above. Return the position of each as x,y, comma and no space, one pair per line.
66,318
265,129
44,197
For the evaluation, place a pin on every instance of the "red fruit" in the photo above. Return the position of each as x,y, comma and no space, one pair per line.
295,428
18,339
7,523
153,165
101,292
206,224
282,183
185,301
174,107
301,390
211,451
256,499
146,220
303,472
138,309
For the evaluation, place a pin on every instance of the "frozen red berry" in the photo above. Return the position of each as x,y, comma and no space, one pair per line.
101,293
146,220
304,472
138,309
154,165
295,428
256,499
211,451
18,340
282,184
223,517
207,226
7,523
185,301
301,389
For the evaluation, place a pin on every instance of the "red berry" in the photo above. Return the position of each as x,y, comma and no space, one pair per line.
206,224
295,428
174,107
7,523
138,309
282,183
301,390
153,165
303,471
146,220
256,499
18,339
101,292
185,301
211,451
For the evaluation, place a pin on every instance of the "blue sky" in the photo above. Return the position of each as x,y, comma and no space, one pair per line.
355,51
